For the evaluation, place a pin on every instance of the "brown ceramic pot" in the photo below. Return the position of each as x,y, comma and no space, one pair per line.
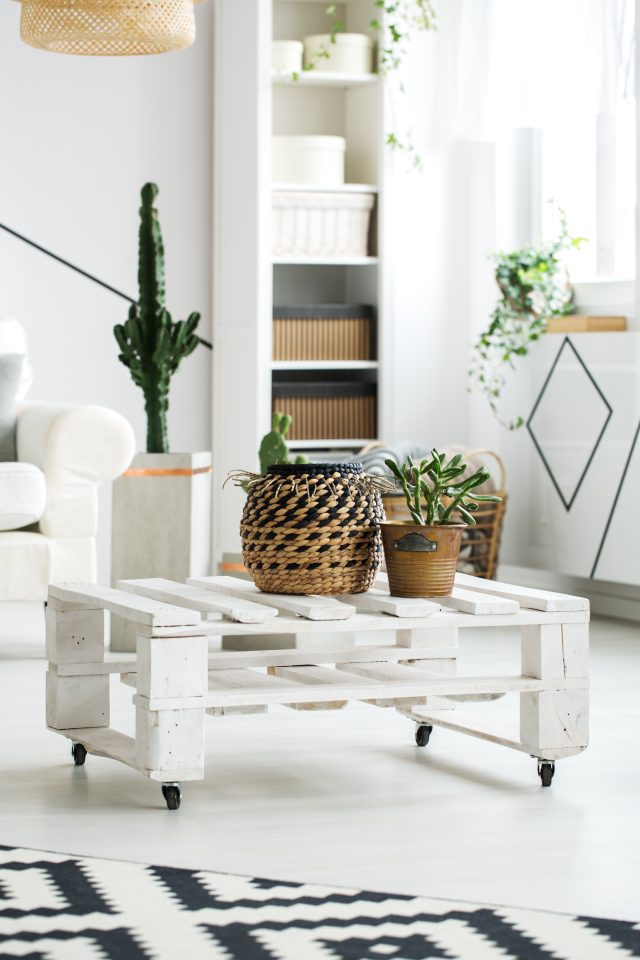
421,560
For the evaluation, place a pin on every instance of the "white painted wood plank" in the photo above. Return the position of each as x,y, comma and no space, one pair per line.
311,608
554,718
478,604
236,711
169,740
92,669
231,659
525,596
403,673
117,746
182,594
76,701
376,601
104,742
364,622
532,599
575,649
312,674
500,733
76,636
247,680
172,667
137,609
372,690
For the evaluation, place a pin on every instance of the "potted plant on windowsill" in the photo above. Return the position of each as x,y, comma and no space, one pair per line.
421,554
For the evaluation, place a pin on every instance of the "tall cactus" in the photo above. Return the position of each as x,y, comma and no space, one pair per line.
151,345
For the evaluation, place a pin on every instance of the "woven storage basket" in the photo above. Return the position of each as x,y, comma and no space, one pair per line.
321,224
313,528
324,331
108,27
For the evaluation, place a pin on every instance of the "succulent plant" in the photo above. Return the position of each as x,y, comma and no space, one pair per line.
151,345
273,448
435,489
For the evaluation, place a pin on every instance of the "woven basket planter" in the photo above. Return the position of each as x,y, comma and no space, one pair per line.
108,27
313,528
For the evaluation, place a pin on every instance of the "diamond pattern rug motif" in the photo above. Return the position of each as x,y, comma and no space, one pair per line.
61,907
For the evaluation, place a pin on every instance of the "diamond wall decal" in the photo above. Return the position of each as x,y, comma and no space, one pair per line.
568,421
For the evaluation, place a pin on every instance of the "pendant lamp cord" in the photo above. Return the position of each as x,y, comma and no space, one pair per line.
83,273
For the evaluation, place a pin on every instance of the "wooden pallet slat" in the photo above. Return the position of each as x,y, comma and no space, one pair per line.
311,675
477,603
308,607
254,693
232,659
377,601
527,597
242,611
152,613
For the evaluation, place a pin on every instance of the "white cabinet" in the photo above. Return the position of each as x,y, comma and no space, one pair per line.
575,468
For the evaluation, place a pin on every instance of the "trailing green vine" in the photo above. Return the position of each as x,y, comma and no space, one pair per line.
395,22
534,285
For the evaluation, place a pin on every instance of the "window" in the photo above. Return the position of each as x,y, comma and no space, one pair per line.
588,155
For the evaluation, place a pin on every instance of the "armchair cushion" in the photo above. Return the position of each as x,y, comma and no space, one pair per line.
11,367
23,495
76,448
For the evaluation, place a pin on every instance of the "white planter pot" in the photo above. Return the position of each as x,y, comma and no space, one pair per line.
286,56
316,161
161,524
350,53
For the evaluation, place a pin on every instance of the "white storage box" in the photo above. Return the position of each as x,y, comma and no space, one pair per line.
317,161
286,56
318,224
350,53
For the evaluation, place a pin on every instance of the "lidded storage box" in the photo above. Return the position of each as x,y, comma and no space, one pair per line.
348,53
328,411
327,331
319,224
286,56
309,160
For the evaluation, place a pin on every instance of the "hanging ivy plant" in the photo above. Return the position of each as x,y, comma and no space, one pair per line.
534,284
395,22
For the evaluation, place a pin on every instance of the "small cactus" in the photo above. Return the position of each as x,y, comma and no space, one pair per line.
273,448
151,345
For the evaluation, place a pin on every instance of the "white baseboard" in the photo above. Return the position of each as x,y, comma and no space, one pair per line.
620,600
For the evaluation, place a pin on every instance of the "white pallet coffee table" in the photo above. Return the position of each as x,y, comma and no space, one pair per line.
178,681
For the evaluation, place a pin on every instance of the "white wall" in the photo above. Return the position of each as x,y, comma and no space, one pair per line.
79,137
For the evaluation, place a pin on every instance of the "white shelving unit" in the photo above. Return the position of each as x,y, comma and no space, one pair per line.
247,280
341,81
324,365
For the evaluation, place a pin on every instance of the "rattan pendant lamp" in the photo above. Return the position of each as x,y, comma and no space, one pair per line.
107,28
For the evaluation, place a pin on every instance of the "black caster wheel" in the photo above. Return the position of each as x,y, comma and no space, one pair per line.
171,793
423,732
546,770
79,754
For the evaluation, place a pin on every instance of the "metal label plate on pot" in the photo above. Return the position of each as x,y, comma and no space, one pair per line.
415,543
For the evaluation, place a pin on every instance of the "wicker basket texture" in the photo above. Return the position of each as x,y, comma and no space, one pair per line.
313,528
108,27
314,224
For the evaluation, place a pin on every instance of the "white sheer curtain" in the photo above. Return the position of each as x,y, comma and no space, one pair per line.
504,64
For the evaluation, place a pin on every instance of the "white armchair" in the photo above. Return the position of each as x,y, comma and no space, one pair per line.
63,454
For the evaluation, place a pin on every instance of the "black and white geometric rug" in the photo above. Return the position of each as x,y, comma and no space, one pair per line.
61,907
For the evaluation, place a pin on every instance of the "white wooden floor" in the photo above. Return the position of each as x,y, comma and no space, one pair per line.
345,797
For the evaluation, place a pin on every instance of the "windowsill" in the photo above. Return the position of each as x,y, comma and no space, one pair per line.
610,297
